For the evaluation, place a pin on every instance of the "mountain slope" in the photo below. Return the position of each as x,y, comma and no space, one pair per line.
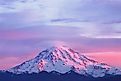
62,60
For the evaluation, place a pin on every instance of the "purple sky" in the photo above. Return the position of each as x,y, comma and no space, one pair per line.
88,26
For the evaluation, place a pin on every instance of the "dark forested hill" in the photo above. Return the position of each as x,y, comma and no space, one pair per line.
54,76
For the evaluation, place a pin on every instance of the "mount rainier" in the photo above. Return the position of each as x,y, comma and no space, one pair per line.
63,60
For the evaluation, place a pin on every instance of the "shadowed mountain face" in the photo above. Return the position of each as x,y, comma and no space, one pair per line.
54,76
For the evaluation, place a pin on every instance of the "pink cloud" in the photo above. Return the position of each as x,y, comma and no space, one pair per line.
111,58
17,35
9,62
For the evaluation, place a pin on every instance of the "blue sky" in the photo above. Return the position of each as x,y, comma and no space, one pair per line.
26,27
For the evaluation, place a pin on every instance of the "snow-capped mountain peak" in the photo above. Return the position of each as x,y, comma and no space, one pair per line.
63,59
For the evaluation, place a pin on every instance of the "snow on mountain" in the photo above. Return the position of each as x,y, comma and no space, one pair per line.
62,60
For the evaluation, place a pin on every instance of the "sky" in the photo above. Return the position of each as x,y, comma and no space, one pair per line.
91,27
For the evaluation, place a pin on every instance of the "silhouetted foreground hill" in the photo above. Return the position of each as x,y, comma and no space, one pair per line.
54,76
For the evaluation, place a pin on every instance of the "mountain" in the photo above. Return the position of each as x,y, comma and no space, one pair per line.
64,60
